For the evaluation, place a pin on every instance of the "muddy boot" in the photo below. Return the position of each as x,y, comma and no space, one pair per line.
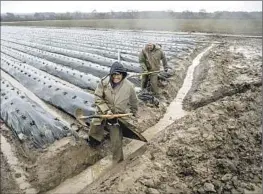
116,142
96,134
93,142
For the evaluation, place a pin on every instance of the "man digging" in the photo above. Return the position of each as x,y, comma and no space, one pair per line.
114,95
150,60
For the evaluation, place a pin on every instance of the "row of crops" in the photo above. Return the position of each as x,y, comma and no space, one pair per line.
49,61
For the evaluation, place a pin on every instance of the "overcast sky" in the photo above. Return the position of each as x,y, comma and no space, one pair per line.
106,6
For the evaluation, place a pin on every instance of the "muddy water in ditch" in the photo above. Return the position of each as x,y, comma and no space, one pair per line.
14,163
174,112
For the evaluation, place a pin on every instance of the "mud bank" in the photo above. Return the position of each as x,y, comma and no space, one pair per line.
230,68
41,170
7,179
214,149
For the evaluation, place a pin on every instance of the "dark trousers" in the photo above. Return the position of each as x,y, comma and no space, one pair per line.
116,142
153,79
97,132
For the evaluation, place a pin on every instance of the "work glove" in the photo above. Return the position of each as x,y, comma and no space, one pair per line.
144,71
109,113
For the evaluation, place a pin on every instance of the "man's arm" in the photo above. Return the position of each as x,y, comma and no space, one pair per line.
164,61
99,99
142,61
133,101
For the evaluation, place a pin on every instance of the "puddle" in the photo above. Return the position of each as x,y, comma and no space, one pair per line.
174,112
14,165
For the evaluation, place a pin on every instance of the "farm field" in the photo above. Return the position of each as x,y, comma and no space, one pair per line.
229,26
204,136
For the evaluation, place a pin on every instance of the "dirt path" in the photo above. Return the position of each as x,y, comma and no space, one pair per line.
19,175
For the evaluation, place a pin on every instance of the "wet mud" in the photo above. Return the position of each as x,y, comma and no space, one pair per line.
216,147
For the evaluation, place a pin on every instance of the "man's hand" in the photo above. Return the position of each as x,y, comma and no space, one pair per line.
109,113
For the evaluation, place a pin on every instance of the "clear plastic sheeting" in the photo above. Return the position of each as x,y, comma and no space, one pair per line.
27,120
83,80
134,67
129,42
148,97
81,65
42,85
58,39
72,45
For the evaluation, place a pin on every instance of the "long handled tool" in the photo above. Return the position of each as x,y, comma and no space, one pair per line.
144,73
79,114
129,133
106,116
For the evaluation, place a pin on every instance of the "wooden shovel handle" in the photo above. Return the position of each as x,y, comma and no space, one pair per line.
106,116
144,73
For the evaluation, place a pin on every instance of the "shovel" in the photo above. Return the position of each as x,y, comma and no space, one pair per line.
144,73
129,133
79,114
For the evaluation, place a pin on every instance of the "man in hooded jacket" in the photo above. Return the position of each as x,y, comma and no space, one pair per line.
114,95
149,59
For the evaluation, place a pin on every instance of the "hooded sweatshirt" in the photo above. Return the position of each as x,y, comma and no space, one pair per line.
117,68
119,99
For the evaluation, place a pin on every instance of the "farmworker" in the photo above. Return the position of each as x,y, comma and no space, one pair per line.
150,60
114,95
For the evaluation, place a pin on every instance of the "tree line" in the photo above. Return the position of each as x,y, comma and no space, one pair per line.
130,14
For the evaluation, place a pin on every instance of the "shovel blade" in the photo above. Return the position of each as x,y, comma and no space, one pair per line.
78,114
